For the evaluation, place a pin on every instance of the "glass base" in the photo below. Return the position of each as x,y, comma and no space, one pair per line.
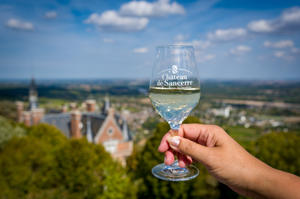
175,173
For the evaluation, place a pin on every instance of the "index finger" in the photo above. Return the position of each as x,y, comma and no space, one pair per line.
202,134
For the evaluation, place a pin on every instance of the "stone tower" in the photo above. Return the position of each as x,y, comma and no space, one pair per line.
33,95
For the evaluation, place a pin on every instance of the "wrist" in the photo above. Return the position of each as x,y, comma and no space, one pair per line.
257,178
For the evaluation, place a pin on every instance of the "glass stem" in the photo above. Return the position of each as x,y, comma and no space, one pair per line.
174,132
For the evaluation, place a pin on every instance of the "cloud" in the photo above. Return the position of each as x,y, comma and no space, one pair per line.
140,50
295,50
288,21
201,44
240,50
180,37
19,25
50,15
112,21
108,40
291,15
204,57
261,26
283,55
151,9
227,34
279,44
197,44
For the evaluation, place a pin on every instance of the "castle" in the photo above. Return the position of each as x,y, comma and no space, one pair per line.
100,127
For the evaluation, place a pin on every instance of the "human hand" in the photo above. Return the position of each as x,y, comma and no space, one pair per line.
224,158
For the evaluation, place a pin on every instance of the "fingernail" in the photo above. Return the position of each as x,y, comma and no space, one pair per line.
174,141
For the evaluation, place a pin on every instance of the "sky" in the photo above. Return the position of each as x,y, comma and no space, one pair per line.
233,39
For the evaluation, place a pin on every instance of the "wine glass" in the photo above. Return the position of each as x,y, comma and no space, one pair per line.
174,92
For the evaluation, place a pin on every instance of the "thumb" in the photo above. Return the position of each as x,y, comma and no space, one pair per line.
197,151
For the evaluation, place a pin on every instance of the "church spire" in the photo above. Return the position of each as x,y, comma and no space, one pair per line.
33,95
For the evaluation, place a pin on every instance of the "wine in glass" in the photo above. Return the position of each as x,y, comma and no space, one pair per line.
174,92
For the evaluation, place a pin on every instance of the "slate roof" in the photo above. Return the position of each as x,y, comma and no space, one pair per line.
63,120
96,121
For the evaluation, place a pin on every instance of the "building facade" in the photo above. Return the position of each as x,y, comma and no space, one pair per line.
99,127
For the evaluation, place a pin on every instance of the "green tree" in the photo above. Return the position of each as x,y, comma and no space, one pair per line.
151,123
150,187
8,109
9,129
279,150
45,164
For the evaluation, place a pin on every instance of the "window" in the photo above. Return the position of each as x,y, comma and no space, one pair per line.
110,131
111,146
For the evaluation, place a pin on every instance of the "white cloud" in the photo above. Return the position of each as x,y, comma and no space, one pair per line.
279,54
291,15
279,44
50,15
19,25
153,9
240,50
140,50
201,44
204,57
227,34
261,26
283,55
112,21
197,44
295,50
288,21
180,37
108,40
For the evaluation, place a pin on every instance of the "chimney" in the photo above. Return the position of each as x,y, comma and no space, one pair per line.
20,109
76,124
90,105
37,115
27,118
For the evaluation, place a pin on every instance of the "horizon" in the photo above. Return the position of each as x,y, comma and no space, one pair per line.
142,80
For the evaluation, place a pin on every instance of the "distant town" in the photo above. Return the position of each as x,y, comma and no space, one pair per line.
266,105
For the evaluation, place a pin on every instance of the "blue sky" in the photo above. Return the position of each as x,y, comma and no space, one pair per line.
233,39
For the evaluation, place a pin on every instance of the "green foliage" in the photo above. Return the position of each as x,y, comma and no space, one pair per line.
150,187
279,150
45,164
40,162
244,136
8,130
8,109
151,123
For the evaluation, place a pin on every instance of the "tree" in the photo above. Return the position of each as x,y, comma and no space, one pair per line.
279,150
150,187
45,164
8,109
8,130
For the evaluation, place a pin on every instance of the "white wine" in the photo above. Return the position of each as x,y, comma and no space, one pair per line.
174,105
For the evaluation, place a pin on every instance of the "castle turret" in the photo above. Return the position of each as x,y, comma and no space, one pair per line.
33,95
106,106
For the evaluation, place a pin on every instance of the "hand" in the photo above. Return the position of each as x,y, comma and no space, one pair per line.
225,159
